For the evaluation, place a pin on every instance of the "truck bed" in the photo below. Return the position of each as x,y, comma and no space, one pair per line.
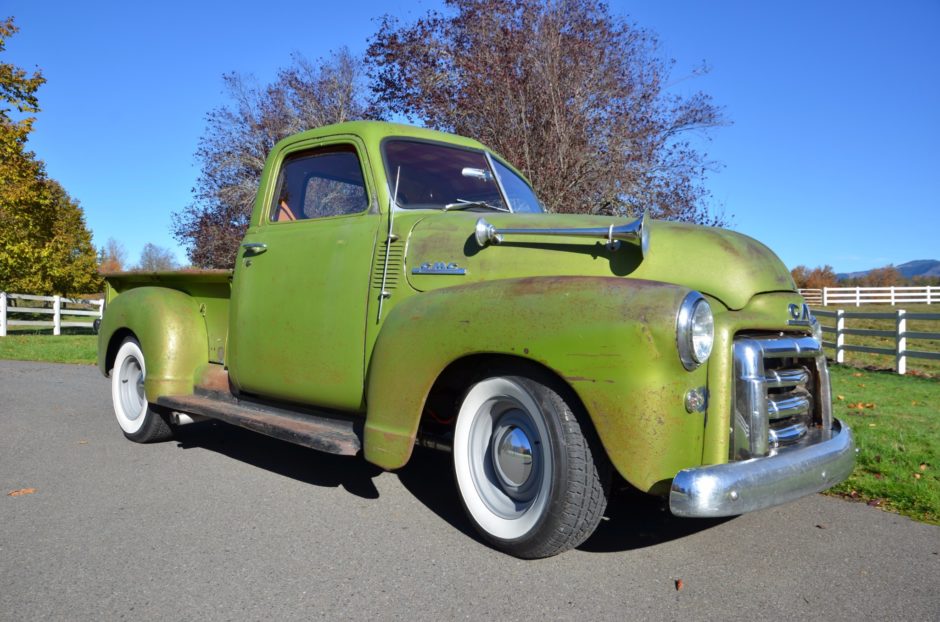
210,288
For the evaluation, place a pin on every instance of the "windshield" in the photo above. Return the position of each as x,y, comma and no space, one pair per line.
435,176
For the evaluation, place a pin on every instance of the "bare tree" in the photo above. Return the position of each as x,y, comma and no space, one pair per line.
156,259
573,96
239,136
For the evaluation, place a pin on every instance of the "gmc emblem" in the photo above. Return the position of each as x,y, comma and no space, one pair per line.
799,315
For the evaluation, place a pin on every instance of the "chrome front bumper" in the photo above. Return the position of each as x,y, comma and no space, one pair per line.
739,487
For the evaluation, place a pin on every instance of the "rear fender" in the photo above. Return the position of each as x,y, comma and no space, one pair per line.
171,331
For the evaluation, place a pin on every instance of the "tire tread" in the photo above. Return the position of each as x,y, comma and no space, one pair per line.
155,430
589,484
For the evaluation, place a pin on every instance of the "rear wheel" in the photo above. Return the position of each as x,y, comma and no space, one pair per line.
533,482
140,422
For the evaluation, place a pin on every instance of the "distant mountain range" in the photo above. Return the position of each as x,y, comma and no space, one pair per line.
918,267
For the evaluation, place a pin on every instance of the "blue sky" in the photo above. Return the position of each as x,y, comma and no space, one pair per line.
832,157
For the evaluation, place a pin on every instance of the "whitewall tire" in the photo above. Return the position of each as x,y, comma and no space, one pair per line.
531,480
139,421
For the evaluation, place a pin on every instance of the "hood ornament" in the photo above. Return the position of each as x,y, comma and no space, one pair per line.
636,232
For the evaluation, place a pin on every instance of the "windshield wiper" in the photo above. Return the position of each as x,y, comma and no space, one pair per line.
464,204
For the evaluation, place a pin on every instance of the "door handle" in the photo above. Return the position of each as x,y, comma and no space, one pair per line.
254,248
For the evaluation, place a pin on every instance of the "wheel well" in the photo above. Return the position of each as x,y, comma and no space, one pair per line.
114,344
440,407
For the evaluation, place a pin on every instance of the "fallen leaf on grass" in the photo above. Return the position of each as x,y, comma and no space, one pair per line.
854,494
678,584
20,492
879,476
861,384
916,475
840,397
876,503
858,374
923,466
871,425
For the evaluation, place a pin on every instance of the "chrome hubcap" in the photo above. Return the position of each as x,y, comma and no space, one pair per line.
509,470
513,456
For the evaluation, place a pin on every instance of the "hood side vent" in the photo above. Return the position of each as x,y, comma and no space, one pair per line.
396,251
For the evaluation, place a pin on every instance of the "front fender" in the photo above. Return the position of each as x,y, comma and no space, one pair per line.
611,339
171,332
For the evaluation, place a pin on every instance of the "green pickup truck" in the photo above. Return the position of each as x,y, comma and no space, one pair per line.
399,286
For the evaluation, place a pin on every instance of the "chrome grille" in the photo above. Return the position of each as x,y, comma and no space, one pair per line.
781,391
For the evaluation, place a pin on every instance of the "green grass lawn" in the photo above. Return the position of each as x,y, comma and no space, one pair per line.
896,421
74,345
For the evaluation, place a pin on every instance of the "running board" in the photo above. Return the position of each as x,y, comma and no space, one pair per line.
334,436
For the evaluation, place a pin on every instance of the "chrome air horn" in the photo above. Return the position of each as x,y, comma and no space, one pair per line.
636,232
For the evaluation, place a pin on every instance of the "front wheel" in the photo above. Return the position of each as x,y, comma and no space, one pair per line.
139,421
533,482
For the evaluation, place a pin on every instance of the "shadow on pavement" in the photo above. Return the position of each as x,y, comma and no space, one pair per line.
293,461
429,477
632,520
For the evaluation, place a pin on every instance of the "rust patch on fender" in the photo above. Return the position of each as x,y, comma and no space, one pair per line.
579,379
214,379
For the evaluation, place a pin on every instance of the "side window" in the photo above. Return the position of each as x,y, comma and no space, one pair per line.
319,183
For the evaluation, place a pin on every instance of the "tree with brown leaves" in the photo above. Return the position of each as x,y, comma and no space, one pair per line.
882,277
112,257
799,276
817,278
576,98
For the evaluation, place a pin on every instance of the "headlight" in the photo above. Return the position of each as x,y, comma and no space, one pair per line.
695,331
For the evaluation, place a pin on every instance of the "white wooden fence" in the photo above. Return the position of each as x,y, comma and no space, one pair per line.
900,334
859,296
60,307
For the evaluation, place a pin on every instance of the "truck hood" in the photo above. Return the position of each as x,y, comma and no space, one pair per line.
441,251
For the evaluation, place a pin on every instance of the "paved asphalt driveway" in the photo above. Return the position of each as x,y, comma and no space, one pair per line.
226,525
